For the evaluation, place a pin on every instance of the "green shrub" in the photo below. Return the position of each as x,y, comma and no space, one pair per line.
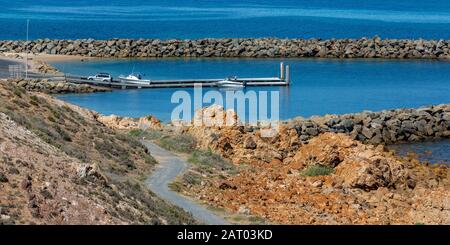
192,178
18,91
168,141
149,134
34,98
317,170
207,160
20,103
136,132
179,143
51,119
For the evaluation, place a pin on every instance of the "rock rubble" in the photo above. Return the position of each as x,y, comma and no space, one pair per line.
241,47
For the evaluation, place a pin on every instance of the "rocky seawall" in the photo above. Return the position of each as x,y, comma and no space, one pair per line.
55,87
385,127
243,47
44,67
243,143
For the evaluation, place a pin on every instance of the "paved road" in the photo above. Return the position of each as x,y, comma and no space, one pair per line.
169,167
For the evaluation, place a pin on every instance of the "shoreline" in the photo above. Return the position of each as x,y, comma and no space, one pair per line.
374,47
39,63
39,58
387,127
366,131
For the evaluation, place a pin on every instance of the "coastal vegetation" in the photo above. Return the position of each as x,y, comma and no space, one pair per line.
57,160
55,87
173,142
317,170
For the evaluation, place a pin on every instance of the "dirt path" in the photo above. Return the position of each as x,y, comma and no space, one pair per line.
170,166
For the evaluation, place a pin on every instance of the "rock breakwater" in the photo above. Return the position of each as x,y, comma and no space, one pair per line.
55,87
126,123
242,47
389,126
244,143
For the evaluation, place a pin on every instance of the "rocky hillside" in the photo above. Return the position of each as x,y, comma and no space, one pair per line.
56,87
333,180
330,178
59,165
243,47
243,143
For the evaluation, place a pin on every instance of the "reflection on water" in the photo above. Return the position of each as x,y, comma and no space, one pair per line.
431,151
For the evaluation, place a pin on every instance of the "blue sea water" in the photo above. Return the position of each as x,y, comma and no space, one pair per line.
102,19
432,152
319,86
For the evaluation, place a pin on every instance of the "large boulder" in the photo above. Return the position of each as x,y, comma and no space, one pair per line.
356,165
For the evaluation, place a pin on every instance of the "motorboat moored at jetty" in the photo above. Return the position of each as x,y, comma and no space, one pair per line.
134,79
230,82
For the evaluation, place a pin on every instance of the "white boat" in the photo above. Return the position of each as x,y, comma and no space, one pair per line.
134,79
230,83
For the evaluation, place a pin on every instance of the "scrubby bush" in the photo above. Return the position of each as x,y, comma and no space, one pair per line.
208,160
317,170
179,143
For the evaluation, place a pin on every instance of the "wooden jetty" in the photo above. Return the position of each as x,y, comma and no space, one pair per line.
282,80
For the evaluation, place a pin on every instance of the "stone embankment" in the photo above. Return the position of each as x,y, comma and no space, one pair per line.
125,123
245,143
44,67
55,87
242,143
243,47
389,126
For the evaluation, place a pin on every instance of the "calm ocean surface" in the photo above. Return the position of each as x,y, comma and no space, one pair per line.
319,86
102,19
432,151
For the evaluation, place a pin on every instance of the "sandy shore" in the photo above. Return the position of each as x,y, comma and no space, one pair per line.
37,63
43,57
33,59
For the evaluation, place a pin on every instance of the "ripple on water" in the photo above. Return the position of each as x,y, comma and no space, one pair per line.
431,151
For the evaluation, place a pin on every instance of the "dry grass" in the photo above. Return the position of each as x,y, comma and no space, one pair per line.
120,157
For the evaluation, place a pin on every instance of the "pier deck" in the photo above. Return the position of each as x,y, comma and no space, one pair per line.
270,81
283,80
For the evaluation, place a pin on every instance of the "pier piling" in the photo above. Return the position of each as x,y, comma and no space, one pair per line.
288,75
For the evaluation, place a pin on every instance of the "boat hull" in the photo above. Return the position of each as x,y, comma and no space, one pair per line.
230,84
132,81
